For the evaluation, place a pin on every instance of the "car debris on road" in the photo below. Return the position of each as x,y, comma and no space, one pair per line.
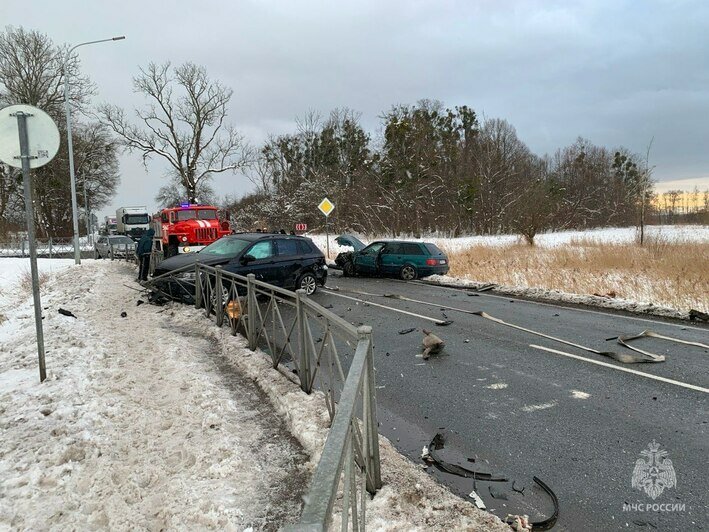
432,344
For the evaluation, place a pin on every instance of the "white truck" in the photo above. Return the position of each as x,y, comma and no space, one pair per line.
132,221
109,225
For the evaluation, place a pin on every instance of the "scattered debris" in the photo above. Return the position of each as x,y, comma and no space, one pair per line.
497,493
517,489
124,314
698,315
478,501
430,455
65,312
328,306
519,523
432,344
407,331
486,287
139,302
626,358
473,294
650,334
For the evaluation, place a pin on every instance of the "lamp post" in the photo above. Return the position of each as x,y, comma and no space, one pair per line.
74,207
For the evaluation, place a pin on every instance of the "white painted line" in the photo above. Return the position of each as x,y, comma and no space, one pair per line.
434,320
619,368
543,406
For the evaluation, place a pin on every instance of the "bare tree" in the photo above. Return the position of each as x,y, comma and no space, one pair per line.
184,123
31,72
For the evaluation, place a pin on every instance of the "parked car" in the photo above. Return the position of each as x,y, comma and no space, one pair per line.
287,261
406,260
121,246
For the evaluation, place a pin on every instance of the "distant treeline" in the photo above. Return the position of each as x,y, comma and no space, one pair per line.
439,170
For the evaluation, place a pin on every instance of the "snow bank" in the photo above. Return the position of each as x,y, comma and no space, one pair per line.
140,424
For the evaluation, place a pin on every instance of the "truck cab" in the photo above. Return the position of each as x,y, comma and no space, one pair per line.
188,228
132,221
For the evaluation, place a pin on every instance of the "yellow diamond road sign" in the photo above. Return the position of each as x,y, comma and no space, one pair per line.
326,207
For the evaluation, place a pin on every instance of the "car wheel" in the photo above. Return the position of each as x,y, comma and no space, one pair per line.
308,283
408,273
348,269
171,250
98,254
213,297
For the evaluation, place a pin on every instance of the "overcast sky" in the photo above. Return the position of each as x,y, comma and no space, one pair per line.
616,72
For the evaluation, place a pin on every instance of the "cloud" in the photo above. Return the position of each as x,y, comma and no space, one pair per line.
616,72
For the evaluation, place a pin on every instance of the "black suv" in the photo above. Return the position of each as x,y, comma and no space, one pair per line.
290,262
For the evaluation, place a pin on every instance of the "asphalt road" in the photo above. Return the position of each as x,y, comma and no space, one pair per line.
523,411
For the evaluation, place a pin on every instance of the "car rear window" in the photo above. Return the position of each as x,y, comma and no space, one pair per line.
433,249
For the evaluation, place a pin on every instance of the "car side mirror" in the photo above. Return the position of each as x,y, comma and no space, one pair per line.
247,258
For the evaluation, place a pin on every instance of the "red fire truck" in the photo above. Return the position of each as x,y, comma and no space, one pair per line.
187,228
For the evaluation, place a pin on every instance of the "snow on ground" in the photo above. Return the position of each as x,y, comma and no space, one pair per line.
153,421
12,270
619,235
140,424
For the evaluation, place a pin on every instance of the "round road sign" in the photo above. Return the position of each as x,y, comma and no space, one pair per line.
42,134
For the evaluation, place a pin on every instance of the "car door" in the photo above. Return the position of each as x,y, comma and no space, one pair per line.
391,258
289,261
366,260
263,265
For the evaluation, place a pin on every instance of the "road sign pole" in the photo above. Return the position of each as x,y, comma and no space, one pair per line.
29,212
327,235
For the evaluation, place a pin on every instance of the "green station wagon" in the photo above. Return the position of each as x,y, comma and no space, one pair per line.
406,260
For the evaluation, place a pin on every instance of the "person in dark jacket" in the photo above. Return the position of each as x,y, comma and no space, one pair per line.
145,246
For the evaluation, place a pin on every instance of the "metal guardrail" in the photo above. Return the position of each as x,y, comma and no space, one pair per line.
291,327
51,248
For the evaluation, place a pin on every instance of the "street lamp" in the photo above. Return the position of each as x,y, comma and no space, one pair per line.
74,208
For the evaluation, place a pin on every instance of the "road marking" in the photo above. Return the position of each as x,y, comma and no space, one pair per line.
434,320
543,406
578,394
568,306
619,368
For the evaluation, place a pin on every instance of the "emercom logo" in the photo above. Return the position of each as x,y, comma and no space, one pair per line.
653,472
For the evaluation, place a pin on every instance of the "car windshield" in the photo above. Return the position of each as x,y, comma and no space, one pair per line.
119,240
226,247
135,219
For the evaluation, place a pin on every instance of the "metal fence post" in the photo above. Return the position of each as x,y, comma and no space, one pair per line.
110,250
197,287
251,311
370,404
219,297
23,247
50,247
304,362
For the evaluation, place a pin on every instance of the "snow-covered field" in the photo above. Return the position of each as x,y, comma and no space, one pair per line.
617,235
600,267
153,421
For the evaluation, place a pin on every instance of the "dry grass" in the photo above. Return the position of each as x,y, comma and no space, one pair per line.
662,272
26,280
